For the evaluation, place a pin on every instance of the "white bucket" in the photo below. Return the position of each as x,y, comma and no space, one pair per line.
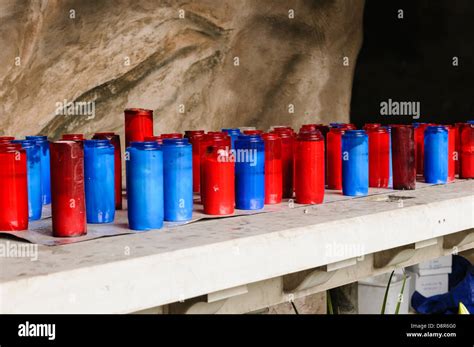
371,292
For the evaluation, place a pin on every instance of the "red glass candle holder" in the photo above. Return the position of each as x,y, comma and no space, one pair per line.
379,156
287,160
253,132
73,137
13,188
457,144
309,168
195,137
138,124
6,139
273,168
451,153
212,141
403,157
115,141
467,151
172,136
67,189
369,126
334,158
217,177
156,138
419,134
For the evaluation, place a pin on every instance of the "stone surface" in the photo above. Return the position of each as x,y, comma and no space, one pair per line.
141,54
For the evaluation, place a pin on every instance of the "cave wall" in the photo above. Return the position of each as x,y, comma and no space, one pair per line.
126,53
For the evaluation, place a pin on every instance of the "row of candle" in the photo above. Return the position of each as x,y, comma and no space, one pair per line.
163,171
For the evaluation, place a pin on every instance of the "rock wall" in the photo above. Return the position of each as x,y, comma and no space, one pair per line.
198,64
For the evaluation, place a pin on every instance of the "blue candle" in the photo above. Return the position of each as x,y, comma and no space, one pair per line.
99,177
233,133
43,142
144,169
355,163
436,154
177,180
249,172
35,196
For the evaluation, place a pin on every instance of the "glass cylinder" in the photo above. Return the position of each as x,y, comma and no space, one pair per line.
253,132
172,136
195,137
6,139
309,168
73,137
287,160
457,146
212,138
158,139
435,164
451,152
144,173
177,180
379,157
355,163
138,124
43,142
334,158
67,189
370,126
249,172
33,160
403,157
99,173
115,141
273,168
13,187
390,168
218,178
467,152
419,133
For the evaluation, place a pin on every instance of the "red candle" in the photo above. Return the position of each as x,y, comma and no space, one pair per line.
157,138
172,136
115,141
309,168
420,145
210,143
451,152
324,129
379,156
13,188
287,156
67,189
190,133
457,144
369,126
6,139
253,132
73,137
348,126
467,151
138,124
195,137
273,173
403,157
334,158
217,175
